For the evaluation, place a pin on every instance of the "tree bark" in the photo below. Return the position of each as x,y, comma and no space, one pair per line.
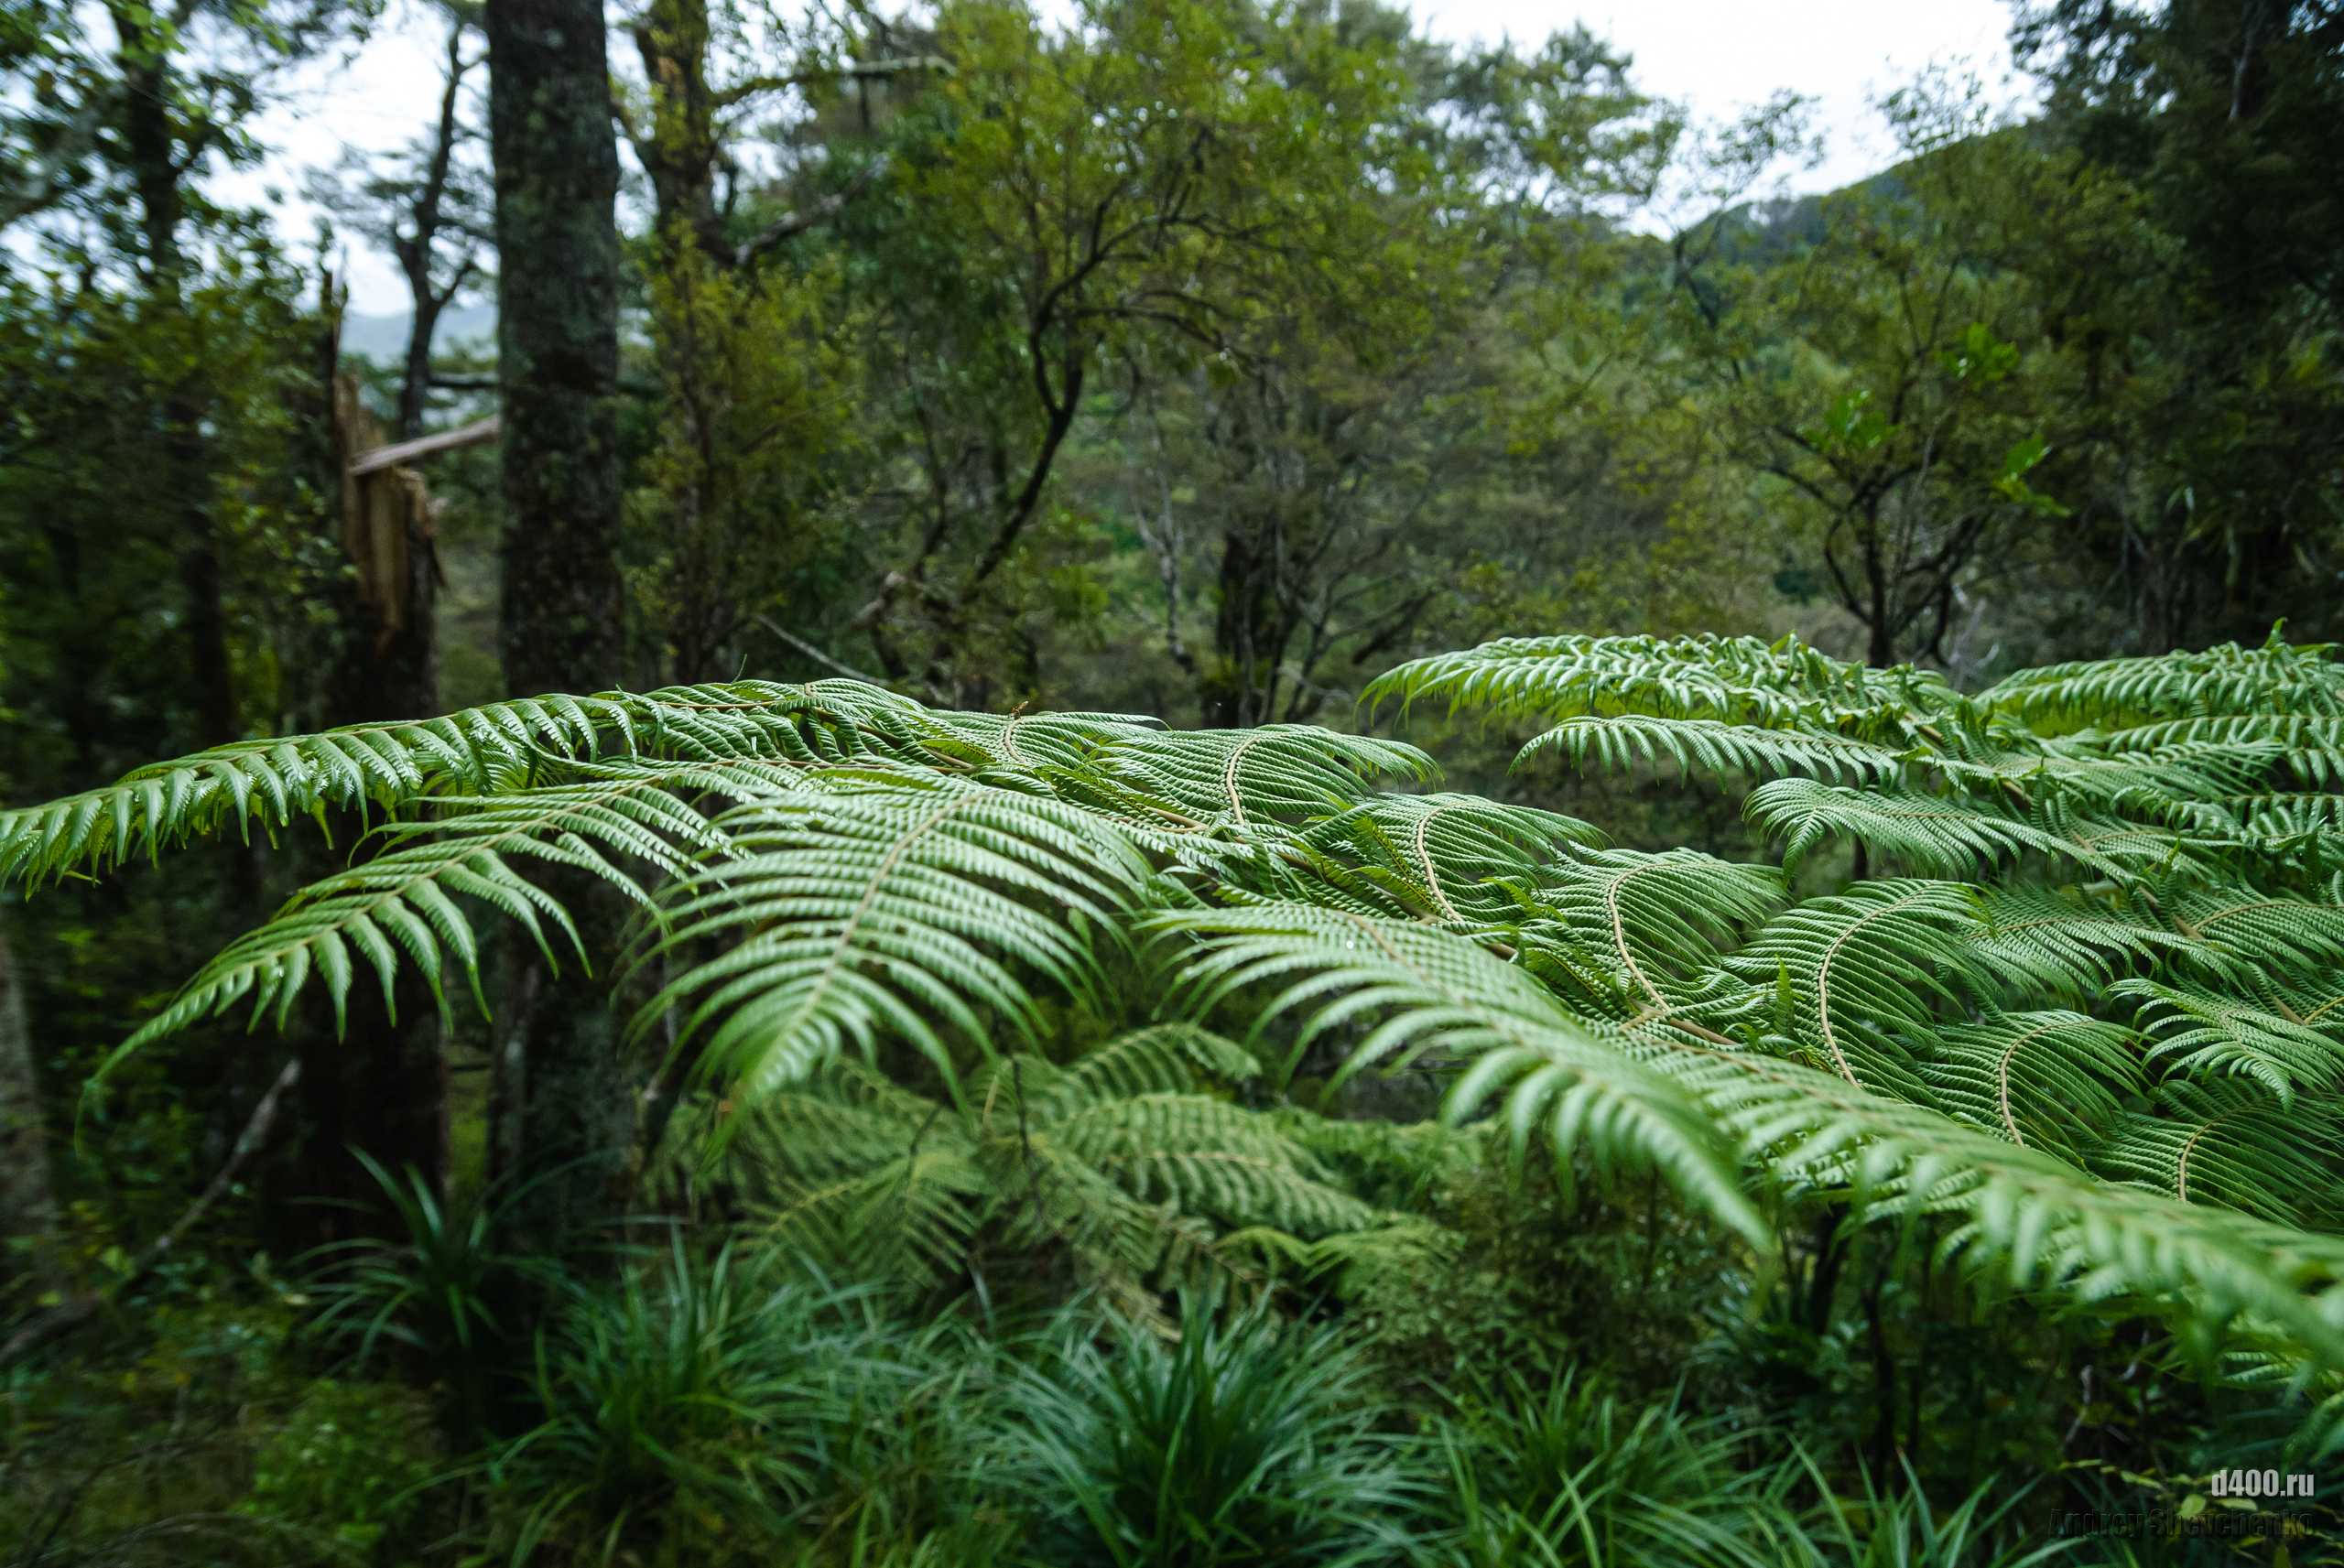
557,187
678,147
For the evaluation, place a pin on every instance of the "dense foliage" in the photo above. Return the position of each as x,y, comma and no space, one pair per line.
985,1031
2068,1023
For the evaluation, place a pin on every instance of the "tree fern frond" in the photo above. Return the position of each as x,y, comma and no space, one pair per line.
2042,1221
1208,1157
1043,1156
1245,777
1160,1059
2051,1079
2200,1032
2229,680
791,1143
2058,943
2312,745
2300,835
910,1216
903,909
1440,848
1865,968
400,909
1708,746
1657,917
487,750
1027,743
2286,936
1941,835
1430,992
2167,785
1732,680
2227,1142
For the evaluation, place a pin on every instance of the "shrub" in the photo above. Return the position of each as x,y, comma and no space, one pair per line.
705,1408
1243,1440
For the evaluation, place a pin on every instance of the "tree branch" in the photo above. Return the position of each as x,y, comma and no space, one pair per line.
789,225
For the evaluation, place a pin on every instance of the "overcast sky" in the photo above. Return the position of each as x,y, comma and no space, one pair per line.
1716,56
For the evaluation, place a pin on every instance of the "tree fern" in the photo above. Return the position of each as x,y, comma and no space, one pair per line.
2273,680
2119,967
488,749
873,906
2073,1013
1125,1158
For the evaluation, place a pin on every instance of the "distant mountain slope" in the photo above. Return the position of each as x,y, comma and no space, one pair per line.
385,336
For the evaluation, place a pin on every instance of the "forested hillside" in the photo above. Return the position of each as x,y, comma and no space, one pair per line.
1184,781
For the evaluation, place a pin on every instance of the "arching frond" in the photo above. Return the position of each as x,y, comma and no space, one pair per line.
904,908
1162,1058
1862,971
2044,1223
2203,1033
1424,992
1941,835
2310,744
2051,1079
1037,741
402,909
2277,677
1443,848
1655,918
2171,785
2041,1220
2057,944
1708,746
2282,935
1248,776
2233,1143
483,751
1733,680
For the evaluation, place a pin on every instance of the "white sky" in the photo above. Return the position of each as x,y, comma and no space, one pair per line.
1716,56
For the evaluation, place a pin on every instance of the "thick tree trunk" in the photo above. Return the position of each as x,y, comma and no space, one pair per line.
28,1201
557,187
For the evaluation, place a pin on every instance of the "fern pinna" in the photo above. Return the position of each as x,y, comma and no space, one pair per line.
2080,1001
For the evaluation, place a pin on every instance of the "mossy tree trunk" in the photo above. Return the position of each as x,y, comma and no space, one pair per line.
561,1093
